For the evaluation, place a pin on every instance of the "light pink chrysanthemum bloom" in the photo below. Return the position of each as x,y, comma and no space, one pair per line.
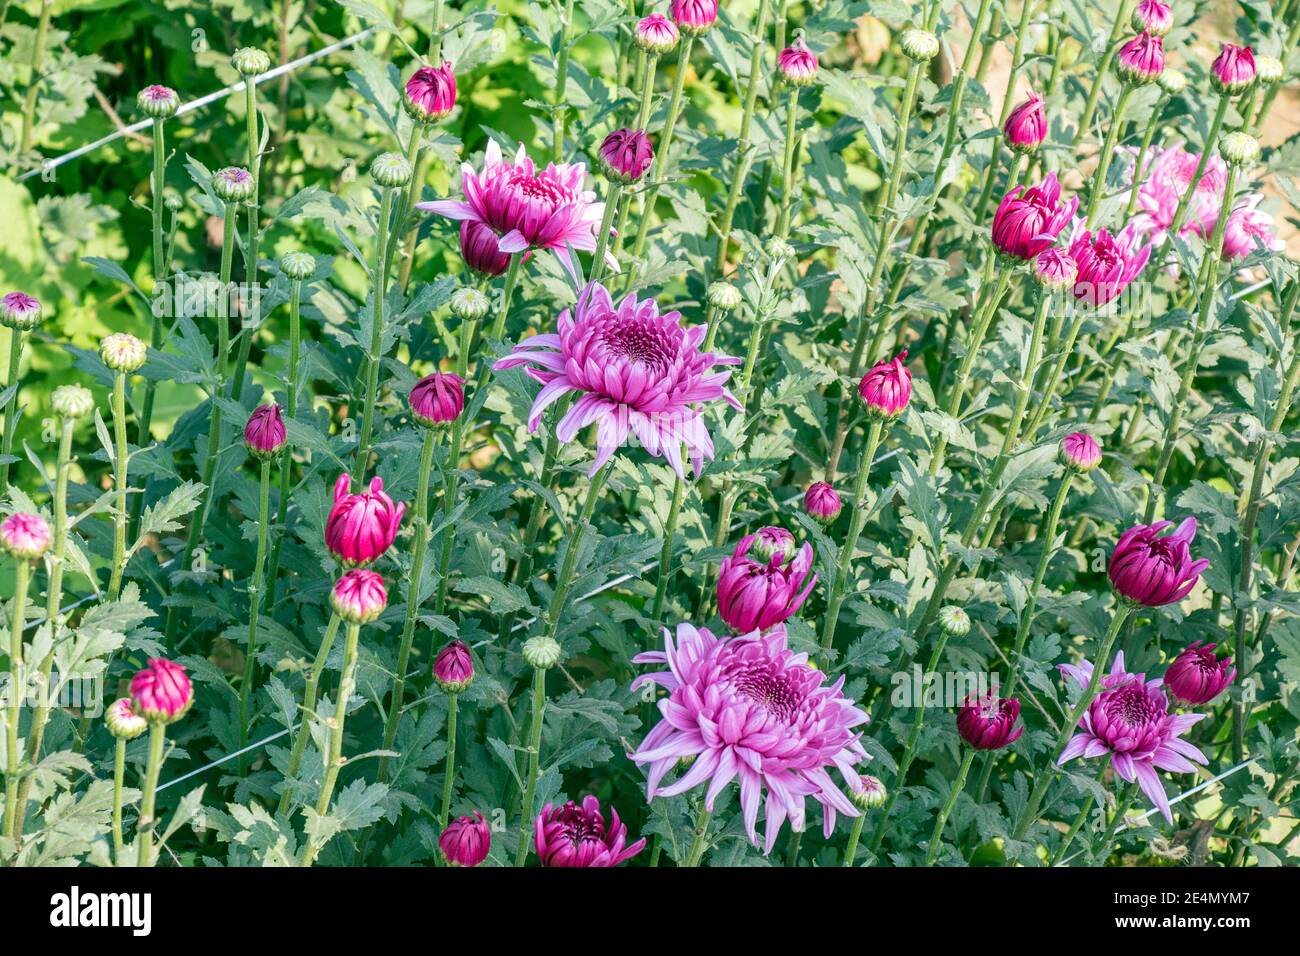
1166,177
576,835
637,371
25,536
1130,720
1106,264
527,208
749,709
754,595
1249,229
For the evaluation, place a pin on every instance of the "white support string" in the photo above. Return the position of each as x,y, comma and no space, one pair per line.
51,164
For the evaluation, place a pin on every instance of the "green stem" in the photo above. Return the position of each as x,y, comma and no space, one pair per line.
1121,810
413,596
159,272
120,465
17,686
606,225
666,552
286,462
406,201
858,520
254,214
11,405
33,82
308,708
347,683
936,836
561,80
1122,14
787,165
534,763
1047,773
1107,151
379,290
255,588
449,771
119,777
855,834
701,842
1180,211
144,827
1152,126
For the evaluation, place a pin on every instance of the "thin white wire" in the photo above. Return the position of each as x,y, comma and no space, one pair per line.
202,101
1142,818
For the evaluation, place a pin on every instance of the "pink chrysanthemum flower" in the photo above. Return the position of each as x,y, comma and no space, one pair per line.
1106,264
636,371
1027,221
1166,177
755,595
526,208
162,692
1142,59
361,527
797,63
1154,569
1130,720
626,154
1197,676
750,709
1249,229
656,34
1233,70
578,836
1154,17
1080,450
1026,125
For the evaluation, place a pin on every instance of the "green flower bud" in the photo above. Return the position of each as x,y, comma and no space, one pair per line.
1172,82
872,794
72,401
250,61
173,200
122,720
542,653
470,304
297,265
921,45
1269,69
157,101
123,352
390,170
723,296
1239,149
234,184
20,311
954,621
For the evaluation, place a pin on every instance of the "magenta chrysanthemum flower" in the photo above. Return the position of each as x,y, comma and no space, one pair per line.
359,596
887,387
264,434
1197,676
1026,125
466,841
361,527
797,63
437,399
1233,69
1028,221
1106,264
162,692
656,34
822,502
525,208
1141,59
25,536
749,709
637,371
1080,450
578,836
430,92
1166,176
695,17
1249,229
989,723
453,668
1154,17
755,595
626,154
1154,570
1130,720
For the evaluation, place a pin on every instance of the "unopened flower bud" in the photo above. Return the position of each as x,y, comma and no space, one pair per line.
954,621
250,61
25,536
18,310
470,304
264,435
655,34
543,653
437,399
871,796
173,200
822,502
626,154
234,184
359,596
1239,149
453,668
72,401
162,692
122,720
1233,70
723,296
390,170
1172,82
1269,69
772,541
298,265
430,93
157,101
123,352
919,45
1079,451
797,63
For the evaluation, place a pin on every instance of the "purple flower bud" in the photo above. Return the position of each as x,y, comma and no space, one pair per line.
797,63
466,841
887,388
989,723
437,399
1142,59
430,93
162,693
755,595
359,596
1080,450
264,435
822,502
25,536
574,835
18,310
626,154
1154,17
656,34
1153,570
1026,125
361,527
695,17
1233,69
1197,677
453,668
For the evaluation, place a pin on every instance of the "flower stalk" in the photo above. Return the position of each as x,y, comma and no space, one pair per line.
374,358
308,708
857,521
936,835
255,588
148,804
17,681
121,457
286,462
1122,15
